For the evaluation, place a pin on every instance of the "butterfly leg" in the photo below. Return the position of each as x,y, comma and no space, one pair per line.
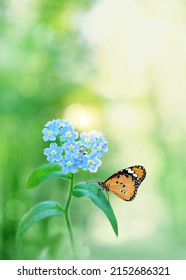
99,190
106,194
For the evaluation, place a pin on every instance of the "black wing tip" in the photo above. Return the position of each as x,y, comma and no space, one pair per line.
141,167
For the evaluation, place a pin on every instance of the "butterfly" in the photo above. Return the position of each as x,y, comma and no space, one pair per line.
125,182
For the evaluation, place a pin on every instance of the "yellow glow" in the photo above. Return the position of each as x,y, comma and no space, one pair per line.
82,117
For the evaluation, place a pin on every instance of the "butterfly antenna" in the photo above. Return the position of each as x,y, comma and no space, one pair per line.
91,182
106,194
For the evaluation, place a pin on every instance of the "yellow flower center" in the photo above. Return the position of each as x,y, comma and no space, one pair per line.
87,140
71,147
99,148
69,163
53,153
68,134
50,132
90,162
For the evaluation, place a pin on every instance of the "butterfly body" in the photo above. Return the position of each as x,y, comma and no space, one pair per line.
125,182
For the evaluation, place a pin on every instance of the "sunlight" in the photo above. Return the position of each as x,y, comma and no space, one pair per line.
83,117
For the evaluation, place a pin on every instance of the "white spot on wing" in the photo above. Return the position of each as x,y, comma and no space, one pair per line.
129,170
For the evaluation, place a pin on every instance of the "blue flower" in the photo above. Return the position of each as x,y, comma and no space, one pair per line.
69,164
50,123
64,124
50,132
90,163
54,153
71,148
87,139
98,137
95,134
75,152
68,134
100,148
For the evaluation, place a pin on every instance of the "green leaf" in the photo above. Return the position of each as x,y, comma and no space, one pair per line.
44,172
97,196
38,212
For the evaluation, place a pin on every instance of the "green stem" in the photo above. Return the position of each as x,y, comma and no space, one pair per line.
67,214
70,194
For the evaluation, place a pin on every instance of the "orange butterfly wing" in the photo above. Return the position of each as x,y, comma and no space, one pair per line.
125,183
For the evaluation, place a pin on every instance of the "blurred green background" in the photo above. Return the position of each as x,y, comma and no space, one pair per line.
115,66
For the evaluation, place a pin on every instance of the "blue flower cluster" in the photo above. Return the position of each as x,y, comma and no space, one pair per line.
72,150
